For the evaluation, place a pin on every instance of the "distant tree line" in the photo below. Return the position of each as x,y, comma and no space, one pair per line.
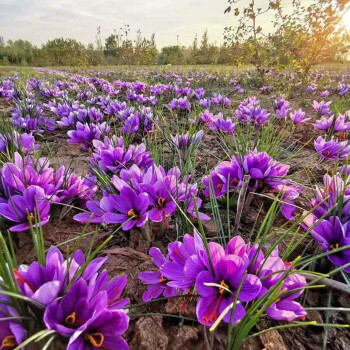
301,39
118,49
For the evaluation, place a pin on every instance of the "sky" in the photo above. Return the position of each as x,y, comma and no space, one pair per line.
41,20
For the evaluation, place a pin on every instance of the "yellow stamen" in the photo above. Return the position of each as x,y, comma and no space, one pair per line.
71,319
332,246
31,216
8,342
96,339
222,290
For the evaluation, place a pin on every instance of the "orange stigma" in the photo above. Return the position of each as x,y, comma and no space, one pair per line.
8,342
96,339
160,202
71,319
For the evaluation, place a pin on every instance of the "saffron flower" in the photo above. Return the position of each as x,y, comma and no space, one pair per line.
298,117
68,314
157,283
128,209
102,331
31,208
322,108
12,333
331,234
332,150
219,292
325,123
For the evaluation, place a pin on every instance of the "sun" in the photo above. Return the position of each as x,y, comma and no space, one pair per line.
346,20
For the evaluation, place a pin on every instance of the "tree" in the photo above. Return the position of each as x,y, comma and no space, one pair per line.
65,52
171,55
249,33
313,34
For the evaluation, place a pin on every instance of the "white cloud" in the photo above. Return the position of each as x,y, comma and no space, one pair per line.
40,20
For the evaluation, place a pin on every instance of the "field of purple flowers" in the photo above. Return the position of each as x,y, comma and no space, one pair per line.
174,209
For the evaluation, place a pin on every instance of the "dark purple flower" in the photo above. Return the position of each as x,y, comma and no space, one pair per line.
68,314
331,234
128,209
42,283
12,332
333,149
219,292
31,208
102,331
157,283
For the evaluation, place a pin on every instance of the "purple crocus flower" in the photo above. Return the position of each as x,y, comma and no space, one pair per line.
298,117
219,292
322,108
281,108
286,308
12,332
42,283
160,197
184,142
341,124
331,234
114,288
325,123
185,266
205,103
68,314
227,126
332,150
157,283
257,164
25,209
129,209
85,134
102,331
95,214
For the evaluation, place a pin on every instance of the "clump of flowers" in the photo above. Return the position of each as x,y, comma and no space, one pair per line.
28,115
249,111
143,194
181,104
30,186
81,305
227,279
16,142
330,217
264,173
84,134
282,107
111,156
332,150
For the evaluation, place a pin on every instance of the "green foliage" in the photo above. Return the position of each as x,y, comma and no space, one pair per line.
171,55
304,37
